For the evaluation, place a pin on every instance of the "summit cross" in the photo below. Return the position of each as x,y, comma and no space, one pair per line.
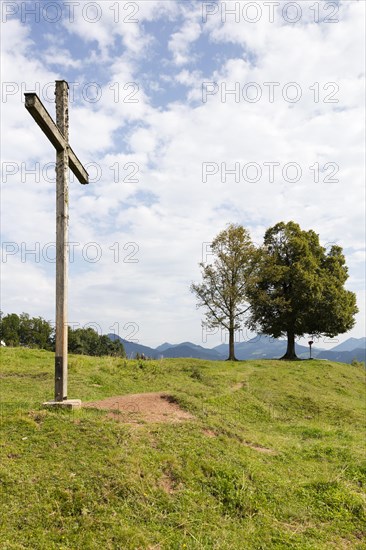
58,134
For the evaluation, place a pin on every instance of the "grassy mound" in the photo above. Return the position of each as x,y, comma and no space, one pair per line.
274,457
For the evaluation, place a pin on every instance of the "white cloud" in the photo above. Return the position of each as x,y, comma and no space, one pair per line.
181,41
62,57
117,20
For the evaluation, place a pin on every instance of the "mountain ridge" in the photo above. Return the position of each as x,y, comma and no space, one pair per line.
258,347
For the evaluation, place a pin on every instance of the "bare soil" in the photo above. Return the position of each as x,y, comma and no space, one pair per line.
142,407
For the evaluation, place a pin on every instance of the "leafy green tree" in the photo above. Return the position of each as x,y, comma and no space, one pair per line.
74,340
10,329
26,331
109,347
86,341
36,332
91,341
42,333
223,289
298,287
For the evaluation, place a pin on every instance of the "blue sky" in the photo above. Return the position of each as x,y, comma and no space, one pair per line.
277,136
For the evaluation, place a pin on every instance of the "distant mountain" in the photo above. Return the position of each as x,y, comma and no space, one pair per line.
344,356
259,347
165,346
187,349
131,348
350,344
262,346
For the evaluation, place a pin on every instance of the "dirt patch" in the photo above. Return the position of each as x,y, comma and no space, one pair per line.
259,448
142,407
167,484
237,386
209,433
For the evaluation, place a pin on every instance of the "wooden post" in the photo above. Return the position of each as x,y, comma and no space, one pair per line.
58,134
62,248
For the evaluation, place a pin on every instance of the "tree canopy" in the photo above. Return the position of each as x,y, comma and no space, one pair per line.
223,289
35,332
298,287
24,330
86,341
290,286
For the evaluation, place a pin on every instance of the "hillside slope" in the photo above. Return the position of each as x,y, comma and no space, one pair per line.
273,457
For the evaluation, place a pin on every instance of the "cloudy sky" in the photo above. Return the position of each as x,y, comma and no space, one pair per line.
188,116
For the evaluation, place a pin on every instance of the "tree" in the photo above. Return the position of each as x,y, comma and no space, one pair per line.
86,341
109,347
42,333
10,329
36,332
298,287
223,289
26,331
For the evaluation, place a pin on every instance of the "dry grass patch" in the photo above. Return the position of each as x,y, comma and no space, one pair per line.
259,448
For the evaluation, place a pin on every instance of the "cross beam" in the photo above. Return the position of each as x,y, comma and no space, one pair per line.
44,120
58,134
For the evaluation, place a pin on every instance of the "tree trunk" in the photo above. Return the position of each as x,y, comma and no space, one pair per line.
231,345
290,354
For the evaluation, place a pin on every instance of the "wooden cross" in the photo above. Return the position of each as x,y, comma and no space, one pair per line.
58,134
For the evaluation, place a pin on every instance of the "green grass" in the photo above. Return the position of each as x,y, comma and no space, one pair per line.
78,480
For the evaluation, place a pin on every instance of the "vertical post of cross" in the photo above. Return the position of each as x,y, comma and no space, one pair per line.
58,134
62,247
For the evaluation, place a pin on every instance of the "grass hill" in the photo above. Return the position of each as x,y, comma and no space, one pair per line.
273,459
